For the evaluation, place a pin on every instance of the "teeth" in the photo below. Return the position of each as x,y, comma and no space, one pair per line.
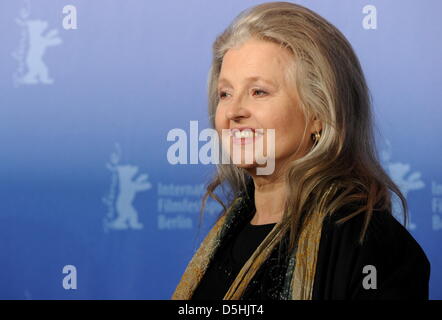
244,134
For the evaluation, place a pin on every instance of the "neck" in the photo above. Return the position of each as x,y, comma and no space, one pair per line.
270,195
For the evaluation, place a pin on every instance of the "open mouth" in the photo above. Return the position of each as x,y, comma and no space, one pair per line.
246,135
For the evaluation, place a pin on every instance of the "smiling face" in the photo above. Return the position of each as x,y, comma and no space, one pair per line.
254,93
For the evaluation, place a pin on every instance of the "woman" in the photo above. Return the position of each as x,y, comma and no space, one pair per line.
320,225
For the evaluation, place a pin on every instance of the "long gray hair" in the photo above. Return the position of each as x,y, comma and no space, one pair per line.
332,87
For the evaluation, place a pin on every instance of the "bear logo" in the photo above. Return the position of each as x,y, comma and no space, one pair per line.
37,71
127,215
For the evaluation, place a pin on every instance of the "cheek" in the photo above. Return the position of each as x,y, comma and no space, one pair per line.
289,132
284,123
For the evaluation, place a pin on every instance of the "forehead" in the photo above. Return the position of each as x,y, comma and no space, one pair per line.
255,59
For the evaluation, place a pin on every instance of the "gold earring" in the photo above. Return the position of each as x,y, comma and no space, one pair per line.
316,136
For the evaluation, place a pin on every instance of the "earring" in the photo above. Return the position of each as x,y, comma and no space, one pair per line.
316,136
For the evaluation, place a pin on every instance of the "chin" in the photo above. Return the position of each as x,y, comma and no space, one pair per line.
246,166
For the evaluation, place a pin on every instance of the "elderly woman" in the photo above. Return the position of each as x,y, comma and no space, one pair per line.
320,226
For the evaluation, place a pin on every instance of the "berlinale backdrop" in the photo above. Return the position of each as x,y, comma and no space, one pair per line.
91,207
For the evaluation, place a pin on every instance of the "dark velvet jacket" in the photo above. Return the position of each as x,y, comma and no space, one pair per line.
401,266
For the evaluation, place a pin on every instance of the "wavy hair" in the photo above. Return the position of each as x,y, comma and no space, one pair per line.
331,87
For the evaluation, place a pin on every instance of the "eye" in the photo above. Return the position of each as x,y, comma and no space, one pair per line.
222,94
259,92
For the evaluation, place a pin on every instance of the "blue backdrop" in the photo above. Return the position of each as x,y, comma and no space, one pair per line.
90,207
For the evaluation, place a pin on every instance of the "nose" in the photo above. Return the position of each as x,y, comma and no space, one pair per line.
236,111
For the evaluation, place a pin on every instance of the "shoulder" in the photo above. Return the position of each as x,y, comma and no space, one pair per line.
384,234
388,248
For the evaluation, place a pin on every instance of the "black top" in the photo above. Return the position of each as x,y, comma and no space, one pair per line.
229,261
402,268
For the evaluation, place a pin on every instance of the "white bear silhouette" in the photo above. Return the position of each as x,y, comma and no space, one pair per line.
406,181
127,216
37,69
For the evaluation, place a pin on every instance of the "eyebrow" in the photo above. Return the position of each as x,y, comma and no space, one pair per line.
250,79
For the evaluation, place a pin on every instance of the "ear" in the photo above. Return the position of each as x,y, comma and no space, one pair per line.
316,125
